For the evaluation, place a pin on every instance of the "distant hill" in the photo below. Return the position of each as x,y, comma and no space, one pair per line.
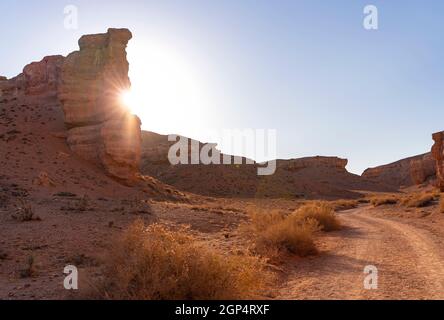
310,177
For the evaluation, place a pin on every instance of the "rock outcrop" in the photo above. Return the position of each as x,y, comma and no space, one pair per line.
422,169
87,84
313,162
38,81
403,173
100,128
438,155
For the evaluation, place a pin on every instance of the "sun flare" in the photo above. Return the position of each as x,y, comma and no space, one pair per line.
129,100
165,92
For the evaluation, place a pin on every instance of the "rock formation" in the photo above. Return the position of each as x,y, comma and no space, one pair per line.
101,129
403,173
38,81
438,155
87,84
313,162
422,168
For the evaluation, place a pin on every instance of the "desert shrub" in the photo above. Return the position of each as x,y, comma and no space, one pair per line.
24,212
340,205
65,194
383,200
273,233
29,270
418,200
80,205
321,212
3,255
155,263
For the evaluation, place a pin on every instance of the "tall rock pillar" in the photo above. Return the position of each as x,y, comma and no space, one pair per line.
100,128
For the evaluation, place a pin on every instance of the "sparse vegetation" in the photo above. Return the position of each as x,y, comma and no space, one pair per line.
65,194
384,200
3,255
340,205
418,200
25,213
157,263
137,206
29,270
273,233
80,205
322,212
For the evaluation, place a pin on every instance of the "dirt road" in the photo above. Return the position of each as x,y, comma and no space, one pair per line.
409,260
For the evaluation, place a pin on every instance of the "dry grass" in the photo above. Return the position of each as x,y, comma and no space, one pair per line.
418,200
154,263
384,200
274,233
29,270
340,205
441,204
321,212
25,213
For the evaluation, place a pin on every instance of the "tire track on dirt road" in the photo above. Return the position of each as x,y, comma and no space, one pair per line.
410,264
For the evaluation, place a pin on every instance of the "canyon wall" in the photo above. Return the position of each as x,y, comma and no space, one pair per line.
404,173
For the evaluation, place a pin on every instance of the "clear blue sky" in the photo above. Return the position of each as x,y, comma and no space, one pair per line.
306,68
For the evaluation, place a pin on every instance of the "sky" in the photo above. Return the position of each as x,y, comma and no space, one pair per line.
308,69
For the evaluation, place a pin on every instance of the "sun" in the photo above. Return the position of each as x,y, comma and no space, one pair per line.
129,100
166,92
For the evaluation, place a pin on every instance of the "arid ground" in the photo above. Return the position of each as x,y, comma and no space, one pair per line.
404,244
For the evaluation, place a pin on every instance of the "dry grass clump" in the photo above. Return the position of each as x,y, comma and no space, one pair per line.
340,205
25,213
418,200
29,270
154,263
273,233
384,200
323,213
